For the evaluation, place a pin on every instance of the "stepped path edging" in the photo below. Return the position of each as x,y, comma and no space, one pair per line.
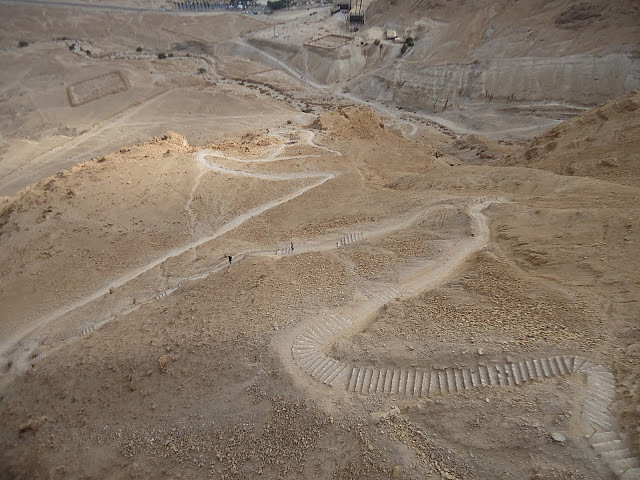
309,347
311,344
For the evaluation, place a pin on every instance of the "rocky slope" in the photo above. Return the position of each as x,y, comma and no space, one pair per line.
523,51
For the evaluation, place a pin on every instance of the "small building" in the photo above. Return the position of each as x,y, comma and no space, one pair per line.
391,34
398,40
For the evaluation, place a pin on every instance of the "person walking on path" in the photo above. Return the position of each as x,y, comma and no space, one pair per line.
230,258
291,247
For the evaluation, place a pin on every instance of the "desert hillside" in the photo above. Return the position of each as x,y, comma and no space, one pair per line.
250,244
156,352
510,51
602,143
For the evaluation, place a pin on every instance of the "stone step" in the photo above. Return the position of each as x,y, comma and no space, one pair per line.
304,341
598,368
600,371
475,378
494,375
569,361
562,367
323,333
388,377
605,384
395,381
343,320
537,367
385,296
304,348
367,379
312,336
601,437
87,330
452,380
284,250
324,328
608,446
36,359
597,418
302,353
382,380
350,238
375,380
340,377
483,373
585,366
402,384
333,371
351,384
578,363
466,378
631,474
618,454
413,388
426,384
503,380
317,361
320,367
410,378
598,395
333,324
417,384
459,378
546,367
306,360
624,464
596,405
441,378
359,380
532,371
434,384
516,374
553,365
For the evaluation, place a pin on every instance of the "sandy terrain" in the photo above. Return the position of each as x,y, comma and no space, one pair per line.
214,265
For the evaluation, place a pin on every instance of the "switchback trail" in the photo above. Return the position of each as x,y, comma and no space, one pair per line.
309,352
17,349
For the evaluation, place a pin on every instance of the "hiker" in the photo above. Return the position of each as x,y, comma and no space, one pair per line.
230,258
291,247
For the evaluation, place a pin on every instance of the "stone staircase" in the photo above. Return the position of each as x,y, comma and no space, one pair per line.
350,238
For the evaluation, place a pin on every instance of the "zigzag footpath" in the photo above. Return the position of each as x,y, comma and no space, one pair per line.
312,344
23,350
17,351
310,347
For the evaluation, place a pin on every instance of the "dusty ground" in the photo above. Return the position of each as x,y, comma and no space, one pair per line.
131,348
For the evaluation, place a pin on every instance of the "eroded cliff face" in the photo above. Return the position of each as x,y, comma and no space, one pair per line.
583,80
522,51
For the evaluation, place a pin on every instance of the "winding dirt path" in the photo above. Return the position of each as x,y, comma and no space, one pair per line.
309,353
17,348
306,351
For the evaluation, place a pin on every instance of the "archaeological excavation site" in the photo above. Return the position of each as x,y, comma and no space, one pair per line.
370,239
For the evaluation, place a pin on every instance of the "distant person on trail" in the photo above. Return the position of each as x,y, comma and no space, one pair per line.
230,258
291,247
